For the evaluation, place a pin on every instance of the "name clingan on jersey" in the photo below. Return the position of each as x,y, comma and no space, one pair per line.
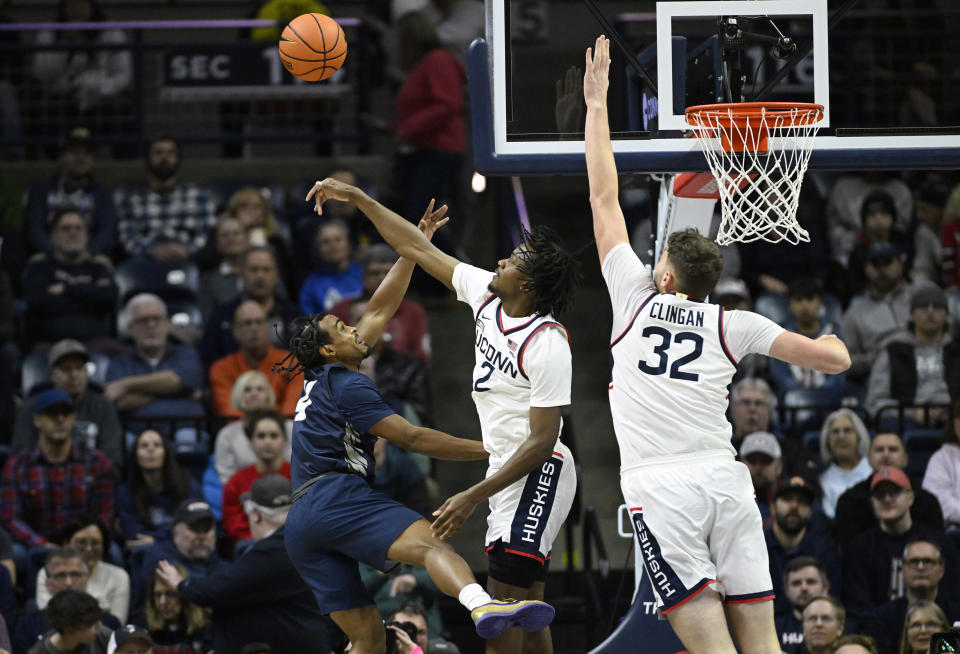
494,357
678,315
531,521
651,555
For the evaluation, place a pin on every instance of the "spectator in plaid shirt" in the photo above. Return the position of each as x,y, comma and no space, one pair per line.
168,221
58,481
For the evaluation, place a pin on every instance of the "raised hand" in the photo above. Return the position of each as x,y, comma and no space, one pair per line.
596,79
433,220
569,107
329,189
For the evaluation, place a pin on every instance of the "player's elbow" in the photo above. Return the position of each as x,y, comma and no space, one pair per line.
604,197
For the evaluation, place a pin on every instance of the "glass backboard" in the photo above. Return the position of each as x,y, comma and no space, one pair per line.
886,73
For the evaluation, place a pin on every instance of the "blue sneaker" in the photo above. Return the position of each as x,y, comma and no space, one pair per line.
495,617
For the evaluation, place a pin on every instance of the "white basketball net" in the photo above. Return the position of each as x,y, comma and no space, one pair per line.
759,191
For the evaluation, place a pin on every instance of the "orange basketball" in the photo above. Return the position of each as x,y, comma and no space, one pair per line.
313,47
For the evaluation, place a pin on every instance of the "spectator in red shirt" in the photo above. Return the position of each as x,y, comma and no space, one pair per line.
58,481
251,330
430,120
268,436
408,328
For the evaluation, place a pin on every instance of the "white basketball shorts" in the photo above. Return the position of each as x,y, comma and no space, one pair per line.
527,514
698,525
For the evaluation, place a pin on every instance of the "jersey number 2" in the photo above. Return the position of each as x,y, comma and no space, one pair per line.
476,384
304,401
661,351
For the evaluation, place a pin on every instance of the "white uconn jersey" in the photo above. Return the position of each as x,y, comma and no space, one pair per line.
672,359
505,384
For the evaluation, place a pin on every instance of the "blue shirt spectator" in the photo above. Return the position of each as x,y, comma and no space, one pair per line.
156,378
339,277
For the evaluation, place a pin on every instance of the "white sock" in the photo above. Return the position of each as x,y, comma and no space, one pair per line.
473,595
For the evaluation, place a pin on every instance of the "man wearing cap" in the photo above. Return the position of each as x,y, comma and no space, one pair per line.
130,640
909,369
789,537
259,597
872,562
193,545
760,452
57,481
73,186
883,309
97,423
854,512
70,292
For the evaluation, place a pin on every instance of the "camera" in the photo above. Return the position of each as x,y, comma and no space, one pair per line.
945,641
408,627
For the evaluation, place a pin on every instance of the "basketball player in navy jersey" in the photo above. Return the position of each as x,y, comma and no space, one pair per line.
337,519
521,382
674,355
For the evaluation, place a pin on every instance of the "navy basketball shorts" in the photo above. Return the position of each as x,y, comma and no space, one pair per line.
698,525
527,515
341,521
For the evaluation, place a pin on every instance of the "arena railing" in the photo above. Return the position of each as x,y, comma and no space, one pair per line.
195,80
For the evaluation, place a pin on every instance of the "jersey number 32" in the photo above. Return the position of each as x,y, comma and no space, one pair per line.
659,365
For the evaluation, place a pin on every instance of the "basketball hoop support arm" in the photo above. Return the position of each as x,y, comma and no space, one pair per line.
621,44
800,53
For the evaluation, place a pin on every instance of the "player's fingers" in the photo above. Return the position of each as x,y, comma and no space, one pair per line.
443,221
589,57
313,189
439,213
559,89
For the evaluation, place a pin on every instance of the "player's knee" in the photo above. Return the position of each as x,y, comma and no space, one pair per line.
514,569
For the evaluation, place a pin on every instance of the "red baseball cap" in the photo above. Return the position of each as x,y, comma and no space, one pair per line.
892,475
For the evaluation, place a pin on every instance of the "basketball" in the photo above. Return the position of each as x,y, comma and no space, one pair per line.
312,47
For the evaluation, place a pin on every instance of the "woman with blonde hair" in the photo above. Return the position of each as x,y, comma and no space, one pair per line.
232,450
250,206
174,624
924,619
844,444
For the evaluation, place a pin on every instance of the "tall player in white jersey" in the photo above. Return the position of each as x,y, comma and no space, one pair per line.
674,356
521,382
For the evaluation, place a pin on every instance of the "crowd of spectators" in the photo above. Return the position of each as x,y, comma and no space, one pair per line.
138,445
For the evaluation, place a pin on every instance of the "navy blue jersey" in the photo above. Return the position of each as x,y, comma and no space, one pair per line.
337,408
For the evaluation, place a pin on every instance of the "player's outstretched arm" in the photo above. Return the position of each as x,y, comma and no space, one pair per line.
428,441
402,235
544,427
388,296
609,226
827,353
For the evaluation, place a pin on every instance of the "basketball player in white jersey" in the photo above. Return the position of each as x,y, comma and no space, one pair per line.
674,355
521,382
